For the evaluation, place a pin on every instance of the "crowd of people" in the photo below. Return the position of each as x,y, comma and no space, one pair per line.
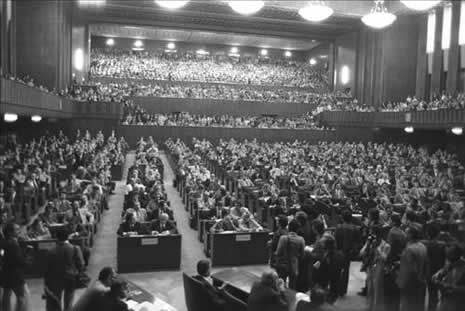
409,201
190,67
67,181
135,115
443,101
147,210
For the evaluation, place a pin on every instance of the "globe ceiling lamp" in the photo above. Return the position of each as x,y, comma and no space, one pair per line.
420,5
379,17
316,11
172,5
246,7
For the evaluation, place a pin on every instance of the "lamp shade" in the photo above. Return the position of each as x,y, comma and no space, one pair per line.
172,5
246,7
316,11
379,17
420,5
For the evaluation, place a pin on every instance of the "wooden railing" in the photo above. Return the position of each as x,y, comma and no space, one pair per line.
22,99
19,98
440,119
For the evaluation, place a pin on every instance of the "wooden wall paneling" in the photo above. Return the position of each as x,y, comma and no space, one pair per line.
454,51
438,70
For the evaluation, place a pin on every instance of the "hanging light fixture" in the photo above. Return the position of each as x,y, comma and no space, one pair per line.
316,11
36,118
420,5
10,117
379,17
457,130
246,7
172,5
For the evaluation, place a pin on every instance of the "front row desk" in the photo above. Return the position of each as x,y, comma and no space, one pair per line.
142,253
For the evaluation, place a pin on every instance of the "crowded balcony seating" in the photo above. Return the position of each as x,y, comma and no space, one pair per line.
188,67
135,115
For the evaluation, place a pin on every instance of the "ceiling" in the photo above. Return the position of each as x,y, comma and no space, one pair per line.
204,37
278,24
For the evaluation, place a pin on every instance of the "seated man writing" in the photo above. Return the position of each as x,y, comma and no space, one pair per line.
163,225
129,226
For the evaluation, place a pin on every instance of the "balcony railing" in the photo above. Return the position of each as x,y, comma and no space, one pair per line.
440,119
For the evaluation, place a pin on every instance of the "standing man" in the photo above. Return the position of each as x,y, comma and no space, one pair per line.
413,272
348,240
14,263
64,263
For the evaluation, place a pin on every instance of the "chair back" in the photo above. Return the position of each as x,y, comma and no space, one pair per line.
197,299
233,303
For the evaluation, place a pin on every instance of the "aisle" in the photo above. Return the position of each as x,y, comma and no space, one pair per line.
168,285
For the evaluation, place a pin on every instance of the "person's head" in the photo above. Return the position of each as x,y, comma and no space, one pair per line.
414,232
129,218
282,221
347,216
318,227
301,217
454,252
203,267
63,195
396,220
318,296
373,214
106,276
3,216
293,226
62,233
330,243
410,216
11,230
269,279
433,231
164,218
118,289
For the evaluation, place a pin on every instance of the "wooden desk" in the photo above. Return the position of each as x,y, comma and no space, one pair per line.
239,248
148,253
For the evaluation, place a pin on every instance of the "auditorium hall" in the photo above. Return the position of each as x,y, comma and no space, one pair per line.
216,155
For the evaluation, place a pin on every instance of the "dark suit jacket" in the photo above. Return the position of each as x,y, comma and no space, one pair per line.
63,260
348,239
309,306
265,298
212,291
109,303
125,227
169,225
14,264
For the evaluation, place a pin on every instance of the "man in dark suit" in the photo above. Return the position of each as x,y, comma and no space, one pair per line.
212,289
14,264
267,294
317,303
273,244
227,223
348,241
114,299
64,262
164,225
129,225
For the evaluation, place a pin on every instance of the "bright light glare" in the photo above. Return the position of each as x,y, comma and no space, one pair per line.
110,42
409,129
234,50
246,7
36,118
10,117
457,130
312,61
171,45
345,75
264,52
172,5
288,53
138,43
79,59
420,5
